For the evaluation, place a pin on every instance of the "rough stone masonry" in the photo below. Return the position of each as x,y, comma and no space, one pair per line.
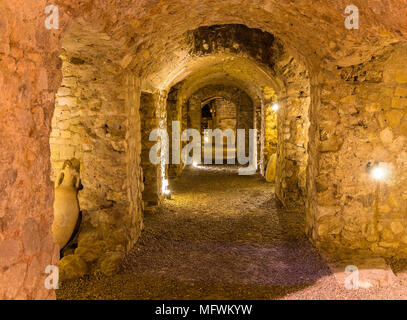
75,92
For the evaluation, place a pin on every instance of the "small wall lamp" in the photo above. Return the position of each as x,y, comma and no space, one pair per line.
377,170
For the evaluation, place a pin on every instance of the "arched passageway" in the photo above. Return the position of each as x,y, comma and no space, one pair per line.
221,236
90,93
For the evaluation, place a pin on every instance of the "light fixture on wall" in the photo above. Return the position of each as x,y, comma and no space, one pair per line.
195,164
377,171
165,189
275,107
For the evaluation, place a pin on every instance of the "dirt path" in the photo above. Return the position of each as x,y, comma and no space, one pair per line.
221,237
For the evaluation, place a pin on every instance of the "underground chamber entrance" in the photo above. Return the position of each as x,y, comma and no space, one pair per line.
104,122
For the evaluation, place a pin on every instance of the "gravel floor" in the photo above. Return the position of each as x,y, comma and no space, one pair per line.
221,236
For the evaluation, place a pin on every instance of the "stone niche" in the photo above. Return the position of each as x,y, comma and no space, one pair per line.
93,111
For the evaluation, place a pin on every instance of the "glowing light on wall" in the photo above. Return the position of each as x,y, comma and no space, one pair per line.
379,173
165,185
275,107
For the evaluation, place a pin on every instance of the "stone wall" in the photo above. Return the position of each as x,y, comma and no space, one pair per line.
135,186
161,107
175,113
29,77
153,116
270,132
226,114
237,113
260,126
362,120
90,124
67,129
293,137
151,174
147,42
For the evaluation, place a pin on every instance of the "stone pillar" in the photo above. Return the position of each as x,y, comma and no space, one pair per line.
293,125
151,172
134,169
174,113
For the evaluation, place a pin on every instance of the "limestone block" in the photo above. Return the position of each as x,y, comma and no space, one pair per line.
392,200
119,146
399,144
329,228
333,144
399,103
64,91
402,162
71,267
55,133
387,235
55,156
401,76
69,82
65,134
63,125
88,238
386,136
393,118
389,244
67,101
403,126
401,92
111,263
349,99
397,227
88,254
326,212
67,152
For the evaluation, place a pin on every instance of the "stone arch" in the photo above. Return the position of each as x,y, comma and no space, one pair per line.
95,122
245,116
342,74
106,230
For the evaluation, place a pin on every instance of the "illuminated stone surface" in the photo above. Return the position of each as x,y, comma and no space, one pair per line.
75,92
